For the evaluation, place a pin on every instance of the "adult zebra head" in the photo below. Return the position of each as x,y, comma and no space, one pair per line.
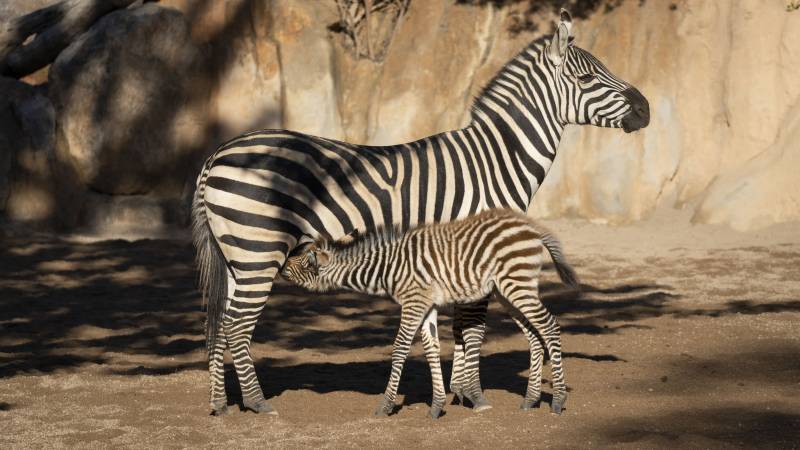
553,74
594,94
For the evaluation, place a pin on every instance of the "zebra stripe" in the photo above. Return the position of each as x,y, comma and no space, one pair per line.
263,193
435,265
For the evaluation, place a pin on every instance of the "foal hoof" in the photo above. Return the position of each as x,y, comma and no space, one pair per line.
557,405
529,404
458,396
479,402
261,406
385,408
435,412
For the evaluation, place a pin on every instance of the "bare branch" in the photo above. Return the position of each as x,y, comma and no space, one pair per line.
355,17
54,27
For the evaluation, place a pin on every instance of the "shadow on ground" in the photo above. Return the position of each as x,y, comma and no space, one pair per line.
707,427
64,304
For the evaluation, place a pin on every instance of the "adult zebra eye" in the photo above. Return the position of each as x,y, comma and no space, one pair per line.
585,78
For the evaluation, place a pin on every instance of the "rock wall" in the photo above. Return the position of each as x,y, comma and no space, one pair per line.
721,78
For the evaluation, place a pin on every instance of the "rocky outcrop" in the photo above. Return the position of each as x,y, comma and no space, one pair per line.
762,192
120,93
305,51
29,191
721,78
137,110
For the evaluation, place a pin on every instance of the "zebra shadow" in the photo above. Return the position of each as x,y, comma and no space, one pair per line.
499,371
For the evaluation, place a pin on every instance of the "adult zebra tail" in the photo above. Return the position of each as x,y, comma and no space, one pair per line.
565,271
213,280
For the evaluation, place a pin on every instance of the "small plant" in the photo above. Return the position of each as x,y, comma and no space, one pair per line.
357,22
792,5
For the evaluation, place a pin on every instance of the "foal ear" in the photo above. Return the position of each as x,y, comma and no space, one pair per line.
302,249
349,237
322,257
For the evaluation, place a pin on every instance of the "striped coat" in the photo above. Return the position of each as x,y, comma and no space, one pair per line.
263,193
458,262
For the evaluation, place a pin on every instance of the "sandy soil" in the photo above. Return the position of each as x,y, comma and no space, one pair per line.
684,337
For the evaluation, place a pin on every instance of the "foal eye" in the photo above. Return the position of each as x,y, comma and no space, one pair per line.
585,78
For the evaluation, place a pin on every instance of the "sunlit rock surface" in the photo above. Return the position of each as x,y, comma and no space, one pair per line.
721,78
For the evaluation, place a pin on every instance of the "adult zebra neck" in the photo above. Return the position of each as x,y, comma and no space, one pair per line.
519,108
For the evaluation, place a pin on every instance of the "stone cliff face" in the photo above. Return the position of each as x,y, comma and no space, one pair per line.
722,78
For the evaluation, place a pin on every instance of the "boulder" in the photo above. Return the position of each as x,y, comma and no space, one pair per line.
120,93
29,190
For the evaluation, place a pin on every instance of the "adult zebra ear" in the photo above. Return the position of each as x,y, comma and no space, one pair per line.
561,39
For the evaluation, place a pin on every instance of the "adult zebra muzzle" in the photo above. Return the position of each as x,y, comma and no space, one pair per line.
639,115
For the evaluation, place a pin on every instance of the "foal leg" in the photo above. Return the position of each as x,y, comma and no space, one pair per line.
413,311
430,341
534,392
526,300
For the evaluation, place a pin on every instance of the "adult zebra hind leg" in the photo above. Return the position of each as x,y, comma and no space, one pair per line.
247,299
213,282
469,329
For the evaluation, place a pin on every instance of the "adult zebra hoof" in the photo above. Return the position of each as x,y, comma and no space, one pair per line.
557,404
261,406
529,404
385,408
435,412
218,411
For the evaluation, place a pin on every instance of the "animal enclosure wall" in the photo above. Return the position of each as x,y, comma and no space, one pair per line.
721,78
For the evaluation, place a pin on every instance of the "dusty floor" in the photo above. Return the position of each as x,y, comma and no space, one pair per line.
684,337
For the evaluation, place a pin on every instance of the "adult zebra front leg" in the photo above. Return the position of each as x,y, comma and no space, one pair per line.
469,329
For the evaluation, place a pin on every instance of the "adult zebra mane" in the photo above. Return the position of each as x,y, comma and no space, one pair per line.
536,46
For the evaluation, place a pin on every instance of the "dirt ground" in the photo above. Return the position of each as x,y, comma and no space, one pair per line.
683,337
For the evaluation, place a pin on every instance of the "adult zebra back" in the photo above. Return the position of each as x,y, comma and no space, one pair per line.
262,193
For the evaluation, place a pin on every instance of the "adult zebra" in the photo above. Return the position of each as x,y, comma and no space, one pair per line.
261,194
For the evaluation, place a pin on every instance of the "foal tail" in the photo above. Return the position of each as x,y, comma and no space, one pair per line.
565,271
213,281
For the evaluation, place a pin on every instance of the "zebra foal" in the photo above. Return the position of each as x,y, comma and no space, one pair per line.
458,262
